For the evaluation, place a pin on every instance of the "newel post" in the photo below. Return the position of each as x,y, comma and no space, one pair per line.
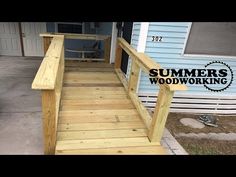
160,114
118,56
107,50
46,43
49,121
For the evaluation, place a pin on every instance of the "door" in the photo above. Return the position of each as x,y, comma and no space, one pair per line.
127,32
32,42
10,39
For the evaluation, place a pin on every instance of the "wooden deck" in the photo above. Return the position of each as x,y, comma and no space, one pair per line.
96,115
92,108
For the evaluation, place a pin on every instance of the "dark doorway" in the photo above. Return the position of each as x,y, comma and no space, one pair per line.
127,32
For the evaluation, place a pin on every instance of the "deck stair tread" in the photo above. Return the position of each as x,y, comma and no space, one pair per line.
96,115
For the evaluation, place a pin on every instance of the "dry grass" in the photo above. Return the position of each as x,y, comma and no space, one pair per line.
208,147
225,124
204,146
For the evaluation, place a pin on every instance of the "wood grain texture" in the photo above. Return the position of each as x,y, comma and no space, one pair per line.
99,134
144,114
133,79
146,63
118,56
122,78
46,43
49,79
48,70
98,118
49,121
160,114
77,36
107,49
104,143
95,117
137,150
100,126
87,110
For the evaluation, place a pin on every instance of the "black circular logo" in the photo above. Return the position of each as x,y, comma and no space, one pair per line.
225,76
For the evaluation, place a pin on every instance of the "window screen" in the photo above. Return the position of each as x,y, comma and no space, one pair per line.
212,38
70,28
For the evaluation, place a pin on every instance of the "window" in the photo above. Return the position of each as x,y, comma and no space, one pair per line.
212,38
70,28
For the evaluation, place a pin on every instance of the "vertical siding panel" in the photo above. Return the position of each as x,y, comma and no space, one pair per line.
134,42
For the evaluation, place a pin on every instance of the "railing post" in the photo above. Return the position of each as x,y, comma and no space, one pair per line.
49,120
107,45
133,78
46,43
49,80
118,56
160,114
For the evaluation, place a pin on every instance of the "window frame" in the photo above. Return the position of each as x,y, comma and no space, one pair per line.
70,23
200,55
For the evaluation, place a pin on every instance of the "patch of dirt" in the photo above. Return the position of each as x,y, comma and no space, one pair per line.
226,124
208,147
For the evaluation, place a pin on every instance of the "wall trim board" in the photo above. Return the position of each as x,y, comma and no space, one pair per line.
143,33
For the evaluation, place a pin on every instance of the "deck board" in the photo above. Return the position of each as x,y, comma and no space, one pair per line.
104,143
97,116
100,126
145,150
99,134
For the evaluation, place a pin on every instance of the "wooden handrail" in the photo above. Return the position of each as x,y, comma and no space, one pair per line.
156,123
77,36
146,63
45,78
49,80
97,37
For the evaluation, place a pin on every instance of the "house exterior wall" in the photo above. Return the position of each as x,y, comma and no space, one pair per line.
169,53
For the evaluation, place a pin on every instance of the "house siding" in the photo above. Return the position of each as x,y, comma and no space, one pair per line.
168,53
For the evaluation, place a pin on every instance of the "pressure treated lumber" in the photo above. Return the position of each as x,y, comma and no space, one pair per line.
118,56
146,63
107,49
91,108
134,150
49,121
96,118
160,114
77,36
46,43
47,72
49,79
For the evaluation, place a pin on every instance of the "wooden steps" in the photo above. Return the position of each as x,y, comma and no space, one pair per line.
96,115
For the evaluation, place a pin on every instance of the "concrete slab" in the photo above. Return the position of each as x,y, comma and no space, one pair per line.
21,133
20,107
